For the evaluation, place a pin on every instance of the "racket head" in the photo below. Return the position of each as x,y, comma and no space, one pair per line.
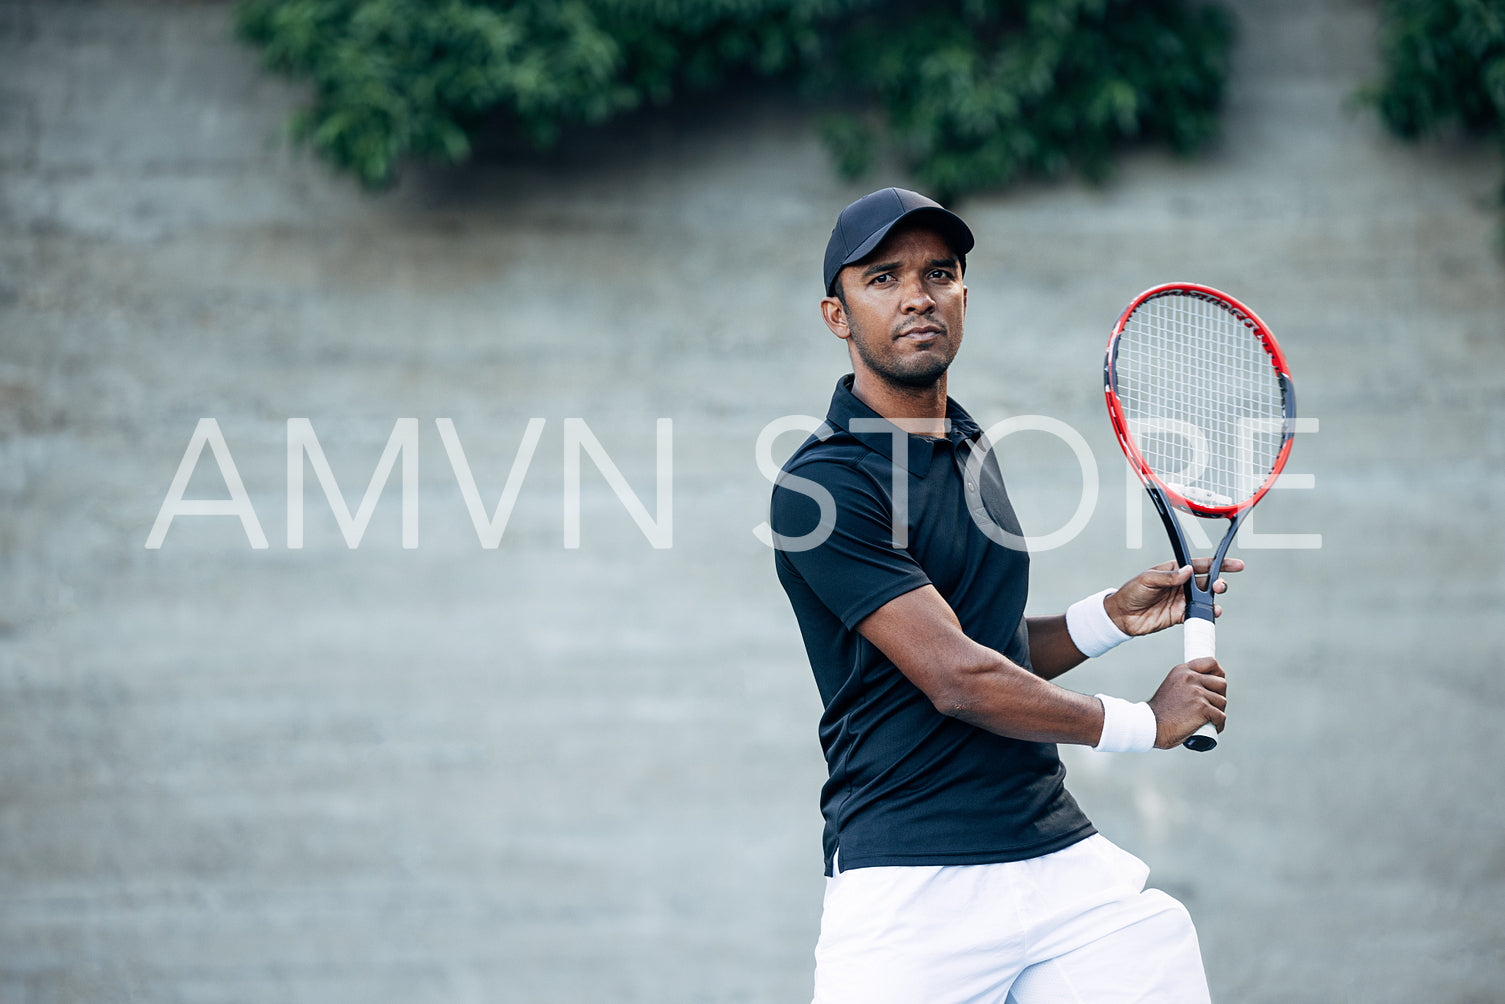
1201,398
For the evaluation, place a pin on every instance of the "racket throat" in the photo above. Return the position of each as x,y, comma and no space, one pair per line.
1199,607
1199,602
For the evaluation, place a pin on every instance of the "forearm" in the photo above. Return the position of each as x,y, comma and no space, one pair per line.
974,682
1003,697
1051,650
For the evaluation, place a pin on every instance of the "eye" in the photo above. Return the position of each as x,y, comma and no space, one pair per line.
882,278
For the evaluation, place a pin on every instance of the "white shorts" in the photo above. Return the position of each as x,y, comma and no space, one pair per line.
1073,927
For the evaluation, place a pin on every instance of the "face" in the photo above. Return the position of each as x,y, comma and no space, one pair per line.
905,304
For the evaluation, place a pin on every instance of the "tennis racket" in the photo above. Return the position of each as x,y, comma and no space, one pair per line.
1204,408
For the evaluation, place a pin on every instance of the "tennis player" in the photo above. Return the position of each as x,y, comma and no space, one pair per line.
958,866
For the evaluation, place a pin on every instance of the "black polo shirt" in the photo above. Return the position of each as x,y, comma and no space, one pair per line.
909,785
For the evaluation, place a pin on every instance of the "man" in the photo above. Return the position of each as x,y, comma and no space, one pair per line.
959,868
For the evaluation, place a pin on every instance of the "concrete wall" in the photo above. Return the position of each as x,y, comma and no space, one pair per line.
545,774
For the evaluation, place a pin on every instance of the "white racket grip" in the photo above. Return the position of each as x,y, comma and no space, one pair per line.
1200,640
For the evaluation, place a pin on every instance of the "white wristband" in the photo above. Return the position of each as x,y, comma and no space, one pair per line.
1091,629
1127,728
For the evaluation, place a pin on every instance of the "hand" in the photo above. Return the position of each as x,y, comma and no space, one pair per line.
1193,694
1155,599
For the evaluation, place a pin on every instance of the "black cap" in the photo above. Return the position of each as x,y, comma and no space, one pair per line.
863,225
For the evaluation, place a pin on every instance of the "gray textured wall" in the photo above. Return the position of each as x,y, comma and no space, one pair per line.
539,774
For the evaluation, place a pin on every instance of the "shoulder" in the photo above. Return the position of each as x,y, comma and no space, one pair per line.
837,458
841,465
826,444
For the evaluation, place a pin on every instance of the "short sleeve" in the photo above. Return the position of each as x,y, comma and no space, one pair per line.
833,528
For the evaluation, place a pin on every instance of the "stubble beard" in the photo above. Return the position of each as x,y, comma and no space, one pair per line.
921,371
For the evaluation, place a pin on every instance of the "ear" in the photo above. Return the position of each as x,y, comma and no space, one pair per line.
835,316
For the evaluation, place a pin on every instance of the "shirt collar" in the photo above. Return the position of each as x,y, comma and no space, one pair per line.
846,406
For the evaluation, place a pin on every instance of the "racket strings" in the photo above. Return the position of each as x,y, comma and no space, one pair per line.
1202,399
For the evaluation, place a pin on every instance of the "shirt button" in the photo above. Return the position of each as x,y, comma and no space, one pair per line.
971,487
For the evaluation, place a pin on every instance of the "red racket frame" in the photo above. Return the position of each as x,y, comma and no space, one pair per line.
1120,425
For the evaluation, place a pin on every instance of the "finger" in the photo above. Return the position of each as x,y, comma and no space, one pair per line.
1178,576
1167,572
1216,717
1207,665
1165,578
1150,585
1201,566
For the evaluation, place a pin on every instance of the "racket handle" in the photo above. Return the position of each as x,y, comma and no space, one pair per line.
1200,640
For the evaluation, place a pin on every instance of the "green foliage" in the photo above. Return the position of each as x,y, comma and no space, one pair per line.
970,93
395,78
977,94
1444,67
1444,64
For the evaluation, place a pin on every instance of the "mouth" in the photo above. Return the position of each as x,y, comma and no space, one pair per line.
923,333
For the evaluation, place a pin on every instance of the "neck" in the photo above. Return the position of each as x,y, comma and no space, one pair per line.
920,411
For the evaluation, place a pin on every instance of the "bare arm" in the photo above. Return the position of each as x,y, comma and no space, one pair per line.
1051,650
919,632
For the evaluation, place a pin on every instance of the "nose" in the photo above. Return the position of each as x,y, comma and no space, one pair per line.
917,299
